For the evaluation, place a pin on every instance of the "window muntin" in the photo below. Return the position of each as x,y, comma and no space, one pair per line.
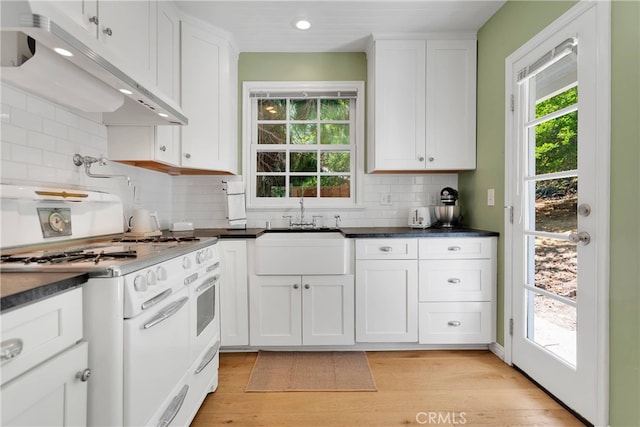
303,145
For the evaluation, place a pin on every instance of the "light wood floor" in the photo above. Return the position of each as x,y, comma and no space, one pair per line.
414,388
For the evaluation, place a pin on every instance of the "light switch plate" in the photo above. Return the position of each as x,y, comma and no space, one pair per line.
491,197
385,199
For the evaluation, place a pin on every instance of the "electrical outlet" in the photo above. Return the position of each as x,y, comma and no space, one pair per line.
385,199
491,197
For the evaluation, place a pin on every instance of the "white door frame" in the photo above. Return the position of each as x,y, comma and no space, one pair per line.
603,8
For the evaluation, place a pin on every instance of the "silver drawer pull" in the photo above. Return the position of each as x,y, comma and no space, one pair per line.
455,323
10,348
208,357
173,408
386,248
153,301
453,280
454,248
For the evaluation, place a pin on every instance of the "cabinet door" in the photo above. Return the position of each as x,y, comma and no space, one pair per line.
50,394
168,50
81,12
398,105
451,104
128,29
387,301
327,310
276,304
207,99
234,305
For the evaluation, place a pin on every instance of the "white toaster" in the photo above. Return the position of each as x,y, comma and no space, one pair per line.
420,217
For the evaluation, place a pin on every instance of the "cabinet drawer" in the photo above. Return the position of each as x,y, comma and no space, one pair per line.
386,249
455,323
456,248
42,330
455,280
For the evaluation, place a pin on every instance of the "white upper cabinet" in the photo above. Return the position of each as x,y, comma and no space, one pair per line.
209,99
168,50
126,28
422,107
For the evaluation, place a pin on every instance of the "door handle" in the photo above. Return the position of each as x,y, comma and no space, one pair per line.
580,237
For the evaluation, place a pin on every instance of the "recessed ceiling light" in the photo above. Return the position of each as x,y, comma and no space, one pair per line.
61,51
126,91
302,24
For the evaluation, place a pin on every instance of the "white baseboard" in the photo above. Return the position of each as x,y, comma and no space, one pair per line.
497,349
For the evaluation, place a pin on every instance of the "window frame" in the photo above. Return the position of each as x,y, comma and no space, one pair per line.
249,149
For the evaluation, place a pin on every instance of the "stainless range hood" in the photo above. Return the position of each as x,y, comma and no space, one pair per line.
87,80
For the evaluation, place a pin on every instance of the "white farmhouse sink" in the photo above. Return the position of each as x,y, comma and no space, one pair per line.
302,253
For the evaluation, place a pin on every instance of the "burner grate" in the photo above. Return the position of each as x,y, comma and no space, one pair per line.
68,257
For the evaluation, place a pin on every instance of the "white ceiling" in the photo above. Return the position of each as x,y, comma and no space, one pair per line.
336,26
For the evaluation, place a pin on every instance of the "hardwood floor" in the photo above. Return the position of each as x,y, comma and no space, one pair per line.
472,388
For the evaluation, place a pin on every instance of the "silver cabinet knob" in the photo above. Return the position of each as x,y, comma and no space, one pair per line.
431,158
108,31
307,286
163,148
84,375
94,20
187,155
455,323
386,248
421,158
580,237
296,286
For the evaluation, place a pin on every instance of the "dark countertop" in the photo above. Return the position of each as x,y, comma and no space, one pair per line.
350,232
17,289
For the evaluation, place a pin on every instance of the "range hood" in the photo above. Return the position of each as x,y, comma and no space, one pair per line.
87,80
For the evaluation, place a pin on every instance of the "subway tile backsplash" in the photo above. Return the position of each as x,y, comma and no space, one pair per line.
39,139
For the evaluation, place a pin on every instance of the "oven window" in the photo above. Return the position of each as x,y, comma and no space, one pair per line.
206,308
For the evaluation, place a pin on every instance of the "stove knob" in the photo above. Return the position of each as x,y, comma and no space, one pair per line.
161,273
186,263
200,257
208,253
140,283
151,278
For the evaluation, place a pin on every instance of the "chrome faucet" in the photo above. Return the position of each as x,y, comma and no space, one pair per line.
302,223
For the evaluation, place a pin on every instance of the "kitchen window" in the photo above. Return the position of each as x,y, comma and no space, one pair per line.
302,139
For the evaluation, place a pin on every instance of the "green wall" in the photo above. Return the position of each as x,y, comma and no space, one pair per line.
297,67
514,24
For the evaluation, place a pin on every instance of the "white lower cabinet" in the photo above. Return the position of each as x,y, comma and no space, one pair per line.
455,323
386,300
301,310
457,290
45,363
234,298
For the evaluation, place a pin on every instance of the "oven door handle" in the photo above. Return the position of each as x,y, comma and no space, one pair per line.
173,408
166,313
207,284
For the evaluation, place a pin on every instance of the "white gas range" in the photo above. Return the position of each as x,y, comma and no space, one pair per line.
151,314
